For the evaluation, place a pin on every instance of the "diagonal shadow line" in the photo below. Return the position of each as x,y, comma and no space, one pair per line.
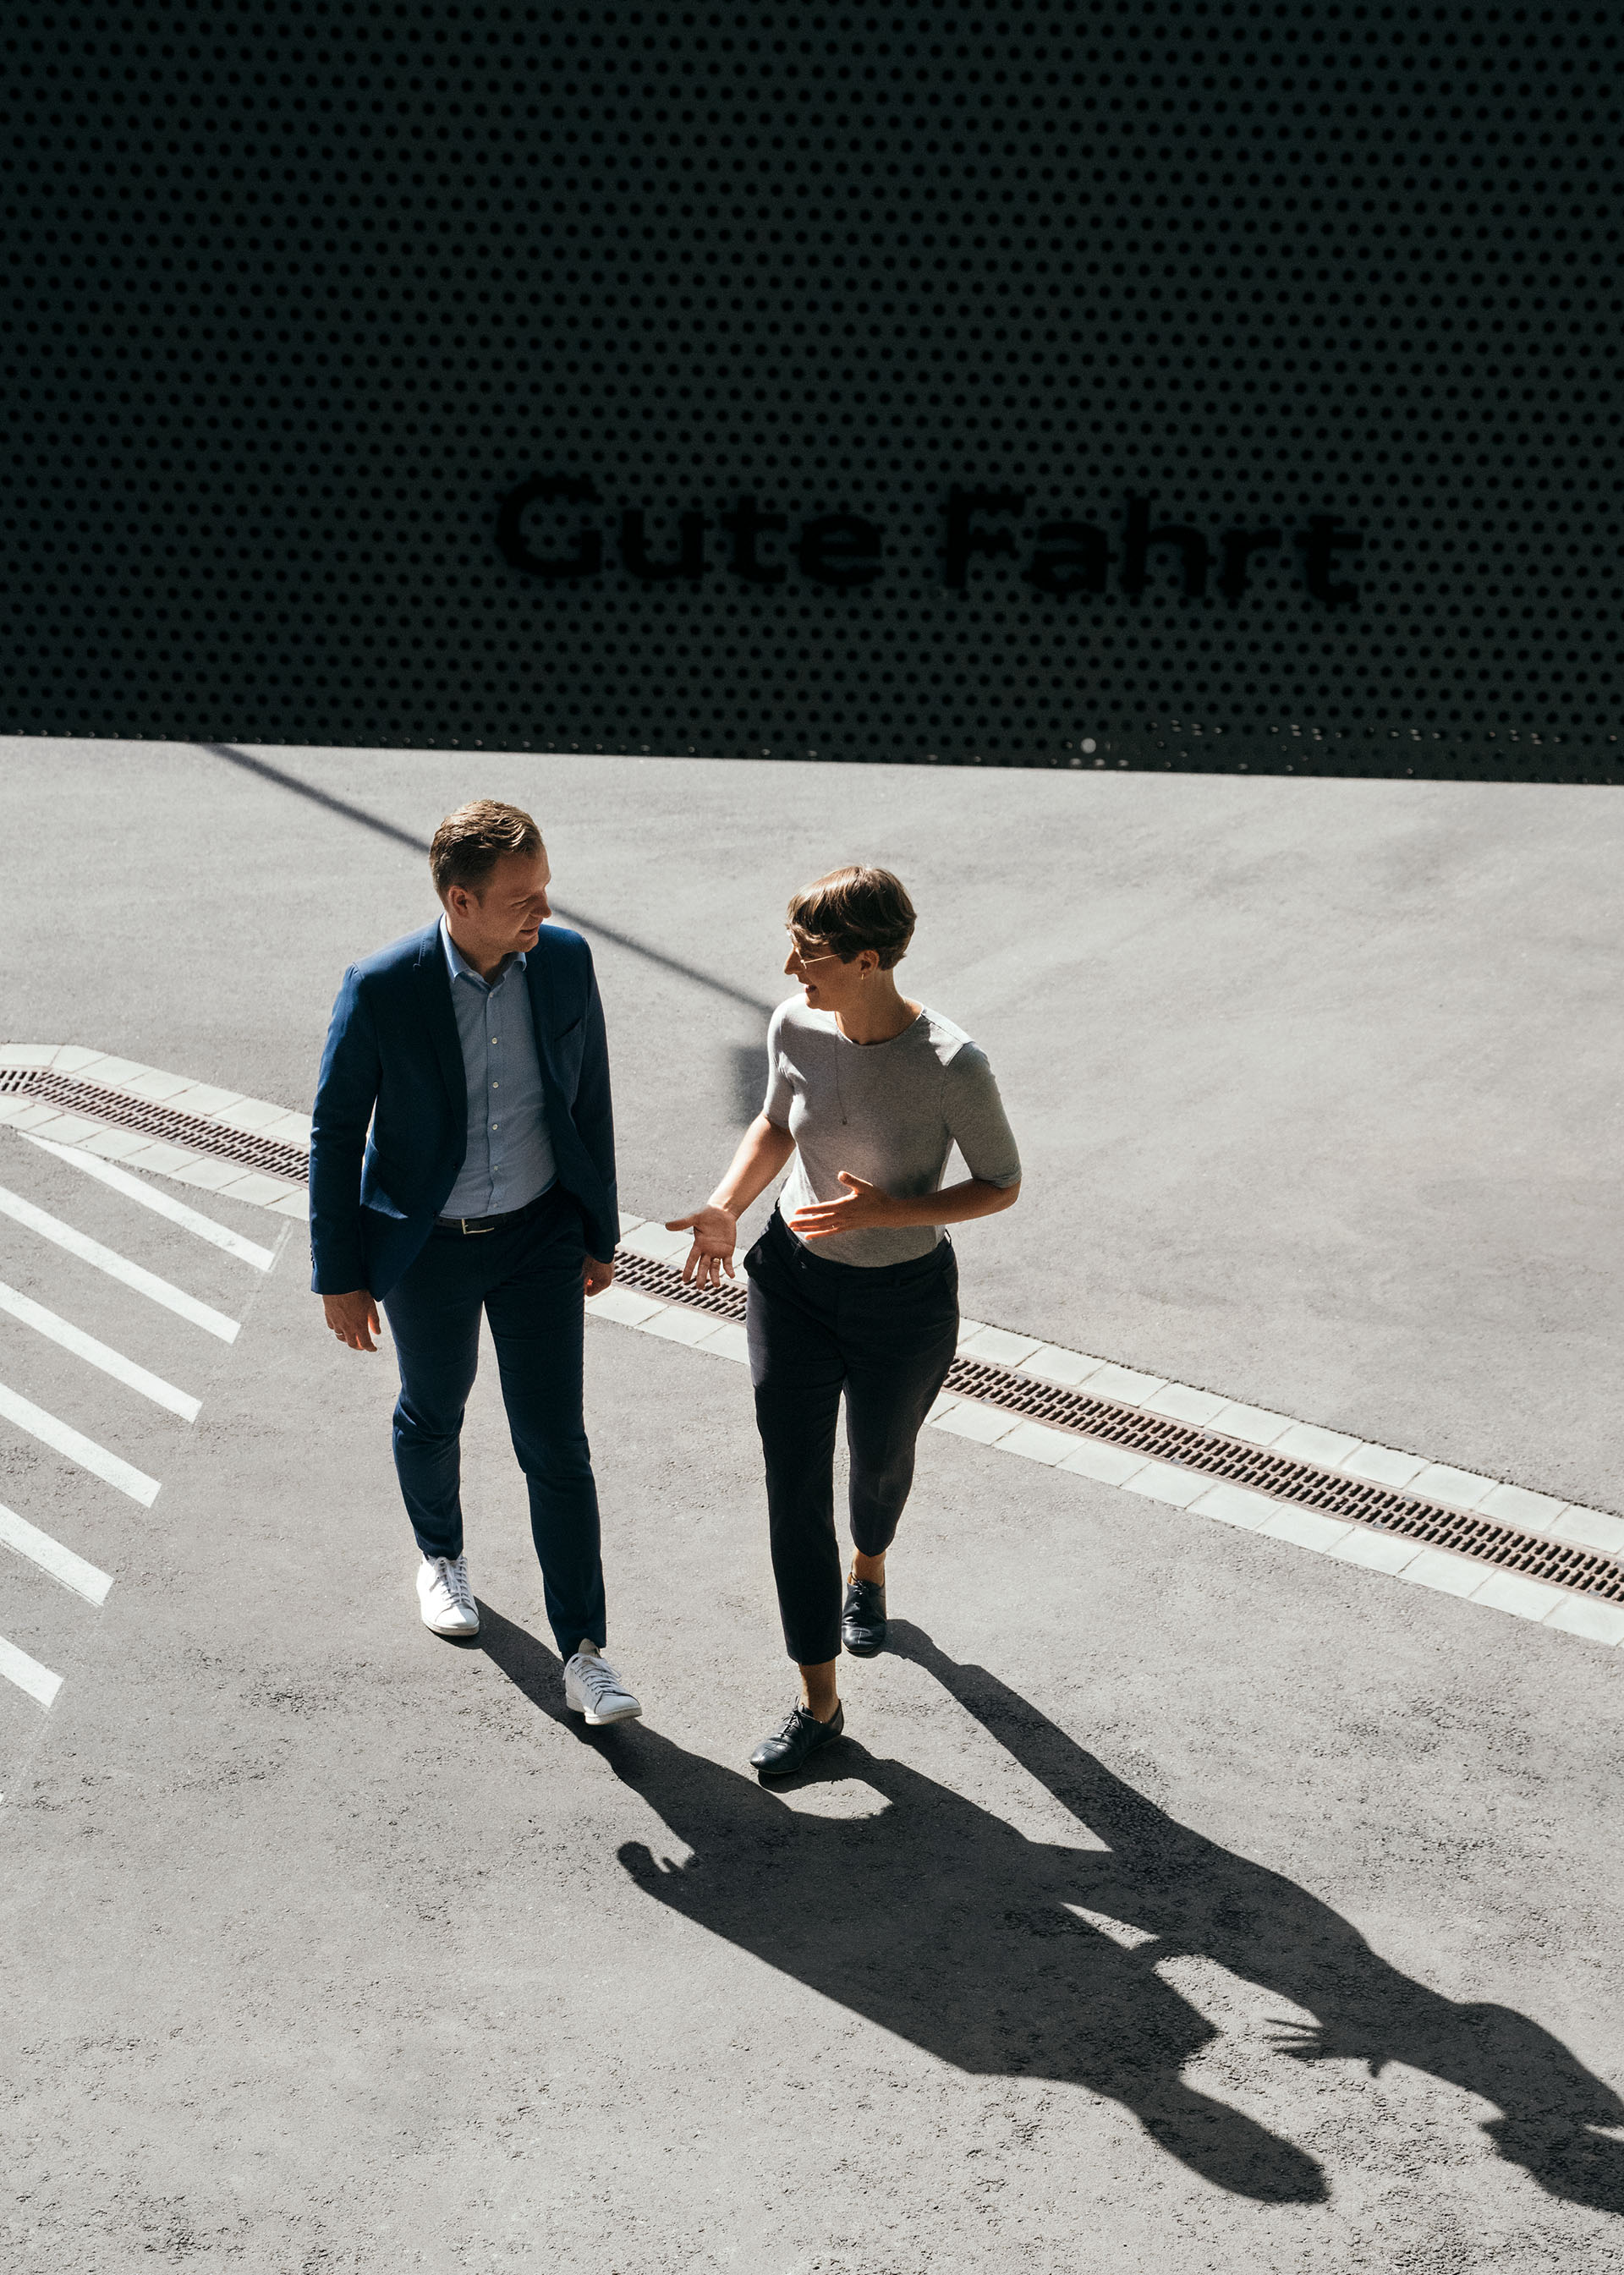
380,827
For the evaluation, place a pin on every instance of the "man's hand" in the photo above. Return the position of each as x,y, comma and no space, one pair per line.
716,1232
595,1277
861,1208
353,1319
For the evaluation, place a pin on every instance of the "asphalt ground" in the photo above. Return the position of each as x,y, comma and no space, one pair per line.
1180,1901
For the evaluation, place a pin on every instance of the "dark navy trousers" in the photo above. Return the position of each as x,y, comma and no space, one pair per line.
884,1335
527,1280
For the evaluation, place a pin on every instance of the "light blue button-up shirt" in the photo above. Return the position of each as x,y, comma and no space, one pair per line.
509,1157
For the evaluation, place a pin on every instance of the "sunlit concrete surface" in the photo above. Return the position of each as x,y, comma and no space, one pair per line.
1180,1901
1316,1081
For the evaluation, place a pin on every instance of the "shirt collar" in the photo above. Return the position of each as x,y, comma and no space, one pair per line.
459,967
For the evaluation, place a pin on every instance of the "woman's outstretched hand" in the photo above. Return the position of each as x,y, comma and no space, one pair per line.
863,1207
714,1232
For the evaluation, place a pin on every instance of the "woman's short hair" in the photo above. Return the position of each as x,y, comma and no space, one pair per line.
469,843
852,909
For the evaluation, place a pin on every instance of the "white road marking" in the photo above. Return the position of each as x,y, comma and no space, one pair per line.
51,1430
98,1354
118,1267
50,1555
87,1145
27,1674
162,1204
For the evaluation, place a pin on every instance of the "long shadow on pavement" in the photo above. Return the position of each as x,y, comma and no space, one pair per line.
941,1923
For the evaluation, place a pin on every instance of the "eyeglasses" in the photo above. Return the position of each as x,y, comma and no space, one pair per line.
801,957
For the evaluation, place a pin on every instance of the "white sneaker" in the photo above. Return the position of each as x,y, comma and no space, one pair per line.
593,1688
446,1597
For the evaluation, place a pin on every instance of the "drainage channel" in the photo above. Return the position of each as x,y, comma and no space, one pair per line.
1208,1453
1226,1460
274,1155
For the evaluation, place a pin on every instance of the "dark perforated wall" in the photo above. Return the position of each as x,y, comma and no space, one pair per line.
303,302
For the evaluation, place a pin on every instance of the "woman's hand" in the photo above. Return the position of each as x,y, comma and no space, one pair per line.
863,1207
714,1232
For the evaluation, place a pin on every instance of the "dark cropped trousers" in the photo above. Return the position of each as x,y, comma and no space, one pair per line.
885,1335
525,1277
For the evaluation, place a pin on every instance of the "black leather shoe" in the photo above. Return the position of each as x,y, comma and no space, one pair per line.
863,1626
796,1743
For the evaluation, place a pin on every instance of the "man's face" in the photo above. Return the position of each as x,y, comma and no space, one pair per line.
505,917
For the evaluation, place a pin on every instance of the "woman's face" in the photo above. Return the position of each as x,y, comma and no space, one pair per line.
829,983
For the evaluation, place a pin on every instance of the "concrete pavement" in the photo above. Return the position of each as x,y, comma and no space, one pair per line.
1315,1080
1179,1902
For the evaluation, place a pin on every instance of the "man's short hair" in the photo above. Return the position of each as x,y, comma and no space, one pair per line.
852,909
469,843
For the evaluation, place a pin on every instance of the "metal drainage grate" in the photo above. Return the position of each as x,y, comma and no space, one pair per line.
641,1272
1228,1461
274,1155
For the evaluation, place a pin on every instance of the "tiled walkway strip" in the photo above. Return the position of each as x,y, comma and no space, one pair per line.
215,1139
1546,1559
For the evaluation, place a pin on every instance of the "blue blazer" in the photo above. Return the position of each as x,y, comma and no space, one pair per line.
394,1062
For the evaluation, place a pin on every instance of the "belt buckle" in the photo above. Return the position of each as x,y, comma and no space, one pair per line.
471,1231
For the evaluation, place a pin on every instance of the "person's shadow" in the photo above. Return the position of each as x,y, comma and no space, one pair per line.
942,1923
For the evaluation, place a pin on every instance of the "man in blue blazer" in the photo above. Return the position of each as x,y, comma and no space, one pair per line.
462,1161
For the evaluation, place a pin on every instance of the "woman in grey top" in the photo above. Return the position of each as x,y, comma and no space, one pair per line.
854,1285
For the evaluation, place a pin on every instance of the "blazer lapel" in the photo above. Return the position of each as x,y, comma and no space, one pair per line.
538,978
435,982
